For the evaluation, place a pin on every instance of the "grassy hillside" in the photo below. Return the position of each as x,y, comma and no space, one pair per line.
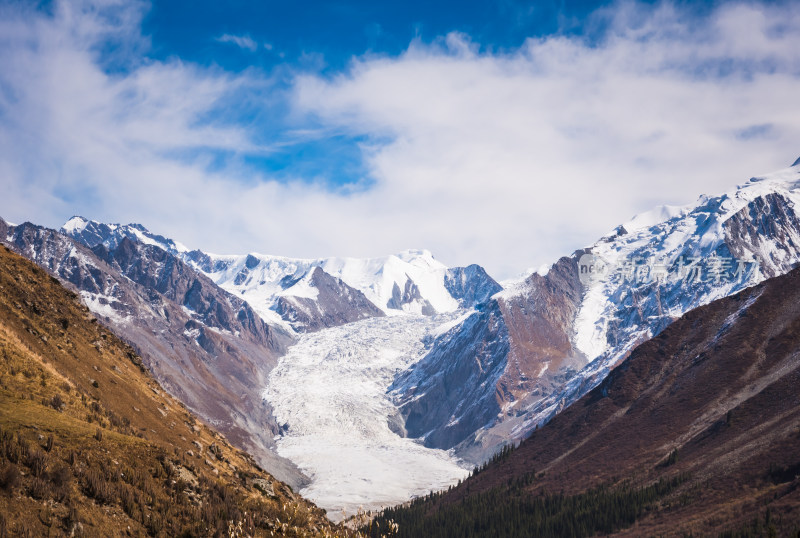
90,445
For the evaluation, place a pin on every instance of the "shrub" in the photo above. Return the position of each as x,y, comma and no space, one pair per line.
61,476
127,500
57,402
156,523
9,477
73,518
10,446
36,461
98,488
38,488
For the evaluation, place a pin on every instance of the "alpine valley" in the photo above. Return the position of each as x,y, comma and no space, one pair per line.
369,382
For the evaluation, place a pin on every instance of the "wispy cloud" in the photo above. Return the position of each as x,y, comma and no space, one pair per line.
508,159
242,41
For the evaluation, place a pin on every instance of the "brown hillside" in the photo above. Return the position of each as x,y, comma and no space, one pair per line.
715,398
91,445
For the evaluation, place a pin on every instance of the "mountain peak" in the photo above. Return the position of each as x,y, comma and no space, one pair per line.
797,162
413,255
76,224
92,233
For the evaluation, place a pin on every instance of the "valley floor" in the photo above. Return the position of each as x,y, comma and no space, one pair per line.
330,392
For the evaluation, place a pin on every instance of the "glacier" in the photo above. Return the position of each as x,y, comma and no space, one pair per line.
341,426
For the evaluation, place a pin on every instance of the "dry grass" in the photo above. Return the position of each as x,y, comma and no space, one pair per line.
91,445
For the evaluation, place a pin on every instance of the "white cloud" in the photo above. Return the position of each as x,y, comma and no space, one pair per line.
508,160
542,150
242,41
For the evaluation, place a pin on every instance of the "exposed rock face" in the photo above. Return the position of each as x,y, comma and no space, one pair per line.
204,263
767,225
445,399
470,285
517,347
335,304
155,269
564,335
206,347
409,295
538,321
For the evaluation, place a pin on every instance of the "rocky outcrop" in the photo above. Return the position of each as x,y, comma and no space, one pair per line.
512,349
335,303
767,225
445,399
470,285
408,296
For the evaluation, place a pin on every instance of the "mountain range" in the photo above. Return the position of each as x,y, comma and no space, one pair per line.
444,365
540,344
696,432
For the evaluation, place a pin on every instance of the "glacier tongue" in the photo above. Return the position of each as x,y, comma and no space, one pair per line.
330,392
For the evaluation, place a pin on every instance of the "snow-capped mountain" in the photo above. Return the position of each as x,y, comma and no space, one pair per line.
712,399
409,282
311,294
539,345
355,324
92,233
402,345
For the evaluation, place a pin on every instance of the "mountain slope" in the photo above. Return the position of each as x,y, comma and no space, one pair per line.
567,328
206,347
710,406
91,445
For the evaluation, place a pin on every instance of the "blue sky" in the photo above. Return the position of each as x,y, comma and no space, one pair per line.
280,38
340,30
501,133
